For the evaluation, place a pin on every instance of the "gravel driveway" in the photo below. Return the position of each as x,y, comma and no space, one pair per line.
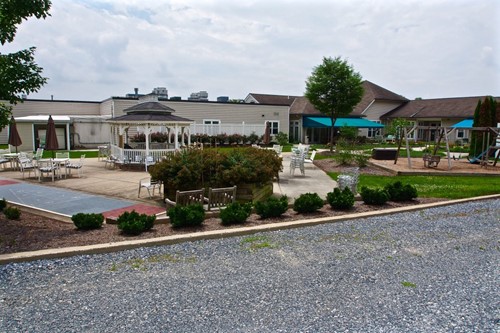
436,270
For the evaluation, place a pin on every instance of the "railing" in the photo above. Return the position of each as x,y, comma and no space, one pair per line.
139,154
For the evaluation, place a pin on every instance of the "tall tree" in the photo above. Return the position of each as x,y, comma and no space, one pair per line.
19,74
334,88
485,115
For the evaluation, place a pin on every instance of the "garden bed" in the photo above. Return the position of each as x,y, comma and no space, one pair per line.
33,232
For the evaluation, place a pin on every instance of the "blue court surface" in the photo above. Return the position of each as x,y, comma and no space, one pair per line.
58,200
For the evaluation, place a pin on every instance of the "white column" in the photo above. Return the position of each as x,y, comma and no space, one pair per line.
176,139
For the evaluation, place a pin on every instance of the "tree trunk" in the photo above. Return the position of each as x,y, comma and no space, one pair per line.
332,133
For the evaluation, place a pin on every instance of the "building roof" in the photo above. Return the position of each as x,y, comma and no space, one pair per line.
372,92
458,107
270,99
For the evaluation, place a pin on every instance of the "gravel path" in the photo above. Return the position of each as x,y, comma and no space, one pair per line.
436,270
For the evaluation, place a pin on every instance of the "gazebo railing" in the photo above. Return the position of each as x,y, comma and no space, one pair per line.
139,154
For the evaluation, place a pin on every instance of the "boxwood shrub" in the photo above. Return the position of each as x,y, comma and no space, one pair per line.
341,200
272,207
235,213
308,203
12,213
374,196
399,192
186,216
3,204
133,223
84,221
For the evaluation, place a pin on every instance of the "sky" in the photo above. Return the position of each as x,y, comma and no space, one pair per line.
92,50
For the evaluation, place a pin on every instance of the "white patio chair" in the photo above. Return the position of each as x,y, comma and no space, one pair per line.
46,167
76,166
3,161
38,154
26,165
149,161
278,149
297,161
150,185
311,158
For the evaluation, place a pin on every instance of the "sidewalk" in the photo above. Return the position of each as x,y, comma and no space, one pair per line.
113,191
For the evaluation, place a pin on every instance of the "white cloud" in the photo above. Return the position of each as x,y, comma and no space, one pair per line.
91,50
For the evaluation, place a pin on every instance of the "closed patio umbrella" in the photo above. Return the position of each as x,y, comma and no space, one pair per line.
14,138
51,137
267,134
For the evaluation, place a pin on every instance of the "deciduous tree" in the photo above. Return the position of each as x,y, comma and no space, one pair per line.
19,74
334,88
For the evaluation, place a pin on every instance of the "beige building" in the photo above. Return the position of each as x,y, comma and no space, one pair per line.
82,124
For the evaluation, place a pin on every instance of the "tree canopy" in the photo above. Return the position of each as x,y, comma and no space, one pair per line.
334,88
19,74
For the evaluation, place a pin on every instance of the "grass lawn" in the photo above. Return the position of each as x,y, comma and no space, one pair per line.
450,187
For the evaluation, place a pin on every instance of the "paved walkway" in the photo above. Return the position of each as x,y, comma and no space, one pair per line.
113,191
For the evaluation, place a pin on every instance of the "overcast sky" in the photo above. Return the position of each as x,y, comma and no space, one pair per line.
92,50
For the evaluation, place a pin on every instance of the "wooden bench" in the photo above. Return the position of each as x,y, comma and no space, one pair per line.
220,197
184,198
431,161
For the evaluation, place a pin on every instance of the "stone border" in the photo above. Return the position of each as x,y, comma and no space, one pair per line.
167,240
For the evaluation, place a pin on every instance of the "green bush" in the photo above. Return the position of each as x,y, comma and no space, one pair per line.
3,204
282,138
342,200
12,213
376,196
83,221
186,216
399,192
133,223
235,213
361,159
194,168
308,203
272,207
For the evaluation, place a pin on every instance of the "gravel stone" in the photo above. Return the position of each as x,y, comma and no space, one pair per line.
433,270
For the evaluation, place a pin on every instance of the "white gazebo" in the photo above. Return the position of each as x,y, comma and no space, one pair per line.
147,118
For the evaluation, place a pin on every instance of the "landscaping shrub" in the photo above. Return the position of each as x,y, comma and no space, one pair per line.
307,203
342,200
235,213
83,221
376,196
186,216
272,207
133,223
399,192
3,204
12,213
361,159
194,168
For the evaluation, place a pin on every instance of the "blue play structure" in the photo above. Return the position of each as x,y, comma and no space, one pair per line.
478,158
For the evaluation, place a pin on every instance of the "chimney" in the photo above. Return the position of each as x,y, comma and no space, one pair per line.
136,90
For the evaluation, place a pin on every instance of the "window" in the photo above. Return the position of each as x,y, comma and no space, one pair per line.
211,126
372,132
274,125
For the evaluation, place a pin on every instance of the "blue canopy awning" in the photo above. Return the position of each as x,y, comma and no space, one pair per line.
340,122
466,123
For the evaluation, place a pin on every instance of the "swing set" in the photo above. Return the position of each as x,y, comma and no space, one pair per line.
432,159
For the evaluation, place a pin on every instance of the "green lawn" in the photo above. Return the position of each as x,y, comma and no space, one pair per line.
450,187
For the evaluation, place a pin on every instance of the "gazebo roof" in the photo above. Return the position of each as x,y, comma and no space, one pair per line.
149,107
150,117
150,111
